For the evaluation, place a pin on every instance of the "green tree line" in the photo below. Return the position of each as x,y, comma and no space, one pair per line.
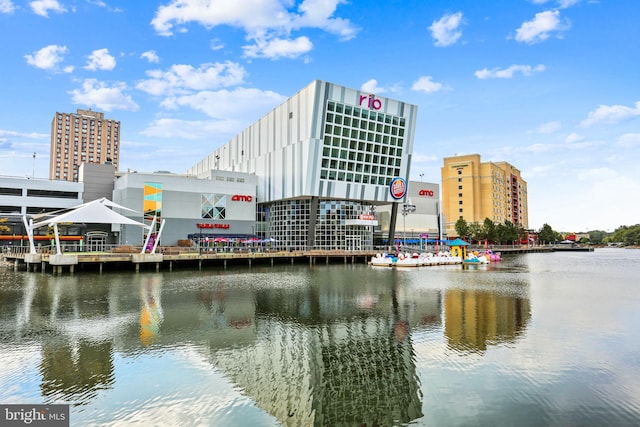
509,233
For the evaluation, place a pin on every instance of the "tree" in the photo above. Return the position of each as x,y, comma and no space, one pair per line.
461,227
507,232
597,236
546,234
489,230
475,231
628,235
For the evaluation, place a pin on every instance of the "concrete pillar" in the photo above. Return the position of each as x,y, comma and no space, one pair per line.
71,268
200,264
249,262
137,268
170,265
157,267
101,264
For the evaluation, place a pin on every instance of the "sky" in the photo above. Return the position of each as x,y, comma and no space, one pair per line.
549,86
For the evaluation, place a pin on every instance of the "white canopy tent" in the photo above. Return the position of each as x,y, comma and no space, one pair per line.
95,212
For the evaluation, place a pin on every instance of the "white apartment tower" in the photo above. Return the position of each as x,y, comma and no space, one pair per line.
82,137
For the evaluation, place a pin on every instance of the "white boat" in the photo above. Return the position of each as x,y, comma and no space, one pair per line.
408,260
383,260
476,259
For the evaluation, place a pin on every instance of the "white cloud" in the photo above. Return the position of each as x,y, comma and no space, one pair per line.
100,59
318,14
567,3
427,85
42,7
540,148
371,86
629,140
507,73
98,3
48,57
14,134
278,48
6,6
190,129
562,4
216,44
540,28
549,127
244,104
611,114
267,22
572,138
108,98
183,79
446,31
150,56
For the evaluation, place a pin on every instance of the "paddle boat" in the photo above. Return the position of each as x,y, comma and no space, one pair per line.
475,258
383,260
492,256
408,260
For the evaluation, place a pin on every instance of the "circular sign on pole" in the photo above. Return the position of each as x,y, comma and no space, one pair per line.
398,188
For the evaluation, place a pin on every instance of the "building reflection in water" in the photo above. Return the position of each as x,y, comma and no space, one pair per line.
77,361
333,354
327,346
474,319
151,314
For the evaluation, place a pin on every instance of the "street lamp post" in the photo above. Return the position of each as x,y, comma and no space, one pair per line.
407,208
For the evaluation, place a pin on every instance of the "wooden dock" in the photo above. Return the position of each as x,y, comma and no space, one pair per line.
92,261
169,258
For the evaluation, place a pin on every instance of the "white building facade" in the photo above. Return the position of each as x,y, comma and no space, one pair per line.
324,159
33,197
418,218
223,204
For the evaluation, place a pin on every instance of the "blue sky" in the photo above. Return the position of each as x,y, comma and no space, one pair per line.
549,86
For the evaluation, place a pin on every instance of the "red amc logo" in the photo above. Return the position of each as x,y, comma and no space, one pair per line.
428,193
241,198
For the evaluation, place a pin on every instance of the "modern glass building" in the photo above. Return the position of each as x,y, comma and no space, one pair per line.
324,159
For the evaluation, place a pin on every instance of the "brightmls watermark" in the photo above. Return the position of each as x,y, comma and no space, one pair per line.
34,415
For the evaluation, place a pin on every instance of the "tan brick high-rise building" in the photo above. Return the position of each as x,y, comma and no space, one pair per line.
474,191
82,137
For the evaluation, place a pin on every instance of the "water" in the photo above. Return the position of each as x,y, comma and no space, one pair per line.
537,340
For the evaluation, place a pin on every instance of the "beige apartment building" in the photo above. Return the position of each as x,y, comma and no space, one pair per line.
475,190
82,137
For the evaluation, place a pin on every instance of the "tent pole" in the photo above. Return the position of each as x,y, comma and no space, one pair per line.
146,241
155,244
29,229
57,235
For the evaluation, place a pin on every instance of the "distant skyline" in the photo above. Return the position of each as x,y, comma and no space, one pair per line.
550,87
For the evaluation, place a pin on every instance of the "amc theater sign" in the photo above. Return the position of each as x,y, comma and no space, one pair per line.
241,198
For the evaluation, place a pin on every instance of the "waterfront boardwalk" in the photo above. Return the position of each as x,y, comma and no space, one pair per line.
168,258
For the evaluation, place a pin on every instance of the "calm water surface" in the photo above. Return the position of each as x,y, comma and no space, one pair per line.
537,340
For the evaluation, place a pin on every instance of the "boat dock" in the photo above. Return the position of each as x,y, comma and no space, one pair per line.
169,258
